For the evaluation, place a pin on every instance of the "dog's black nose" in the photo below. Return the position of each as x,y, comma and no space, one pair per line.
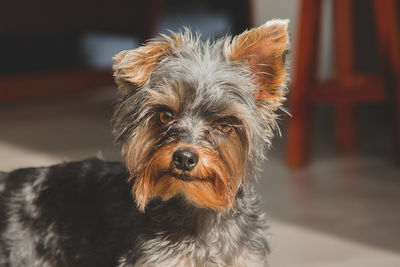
185,159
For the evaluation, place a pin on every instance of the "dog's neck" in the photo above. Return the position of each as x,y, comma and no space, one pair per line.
175,228
181,215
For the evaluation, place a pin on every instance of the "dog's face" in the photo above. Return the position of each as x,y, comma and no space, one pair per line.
195,117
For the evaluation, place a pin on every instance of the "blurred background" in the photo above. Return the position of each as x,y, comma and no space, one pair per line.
331,186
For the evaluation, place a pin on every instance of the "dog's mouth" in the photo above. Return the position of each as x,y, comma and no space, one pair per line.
183,177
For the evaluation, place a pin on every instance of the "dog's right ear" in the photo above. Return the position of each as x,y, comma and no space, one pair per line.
134,67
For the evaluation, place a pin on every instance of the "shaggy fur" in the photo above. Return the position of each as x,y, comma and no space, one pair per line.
215,100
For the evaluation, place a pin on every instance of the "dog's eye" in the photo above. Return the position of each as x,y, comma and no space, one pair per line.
165,117
224,128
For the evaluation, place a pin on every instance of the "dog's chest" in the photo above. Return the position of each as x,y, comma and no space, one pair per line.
245,259
175,236
219,247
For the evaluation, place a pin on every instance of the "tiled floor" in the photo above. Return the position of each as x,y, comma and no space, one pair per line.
340,211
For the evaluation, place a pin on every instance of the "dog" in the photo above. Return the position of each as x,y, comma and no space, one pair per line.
194,120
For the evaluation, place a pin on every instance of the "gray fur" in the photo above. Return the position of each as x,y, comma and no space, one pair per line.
215,239
44,217
212,84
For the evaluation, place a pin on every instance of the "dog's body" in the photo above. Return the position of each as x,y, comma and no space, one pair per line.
72,214
81,214
194,120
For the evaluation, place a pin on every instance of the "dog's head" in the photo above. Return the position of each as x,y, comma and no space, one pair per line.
194,118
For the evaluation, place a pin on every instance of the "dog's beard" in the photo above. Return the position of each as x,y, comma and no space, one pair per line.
211,184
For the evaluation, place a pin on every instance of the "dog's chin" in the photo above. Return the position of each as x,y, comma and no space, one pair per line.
201,192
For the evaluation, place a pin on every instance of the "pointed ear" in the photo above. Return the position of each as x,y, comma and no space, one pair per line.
134,67
263,50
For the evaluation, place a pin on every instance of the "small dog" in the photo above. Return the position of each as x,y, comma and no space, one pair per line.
194,120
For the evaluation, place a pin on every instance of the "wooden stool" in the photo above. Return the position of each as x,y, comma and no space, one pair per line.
347,88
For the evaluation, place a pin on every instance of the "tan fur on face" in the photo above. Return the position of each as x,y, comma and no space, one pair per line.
235,152
263,49
137,150
214,184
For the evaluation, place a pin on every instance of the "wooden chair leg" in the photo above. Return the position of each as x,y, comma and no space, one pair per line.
344,51
298,142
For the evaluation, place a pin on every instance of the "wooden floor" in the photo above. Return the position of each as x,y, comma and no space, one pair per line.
341,211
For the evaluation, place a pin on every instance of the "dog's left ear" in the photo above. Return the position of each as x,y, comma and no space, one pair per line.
263,50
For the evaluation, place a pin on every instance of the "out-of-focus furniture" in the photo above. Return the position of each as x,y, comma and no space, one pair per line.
347,88
29,21
56,69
